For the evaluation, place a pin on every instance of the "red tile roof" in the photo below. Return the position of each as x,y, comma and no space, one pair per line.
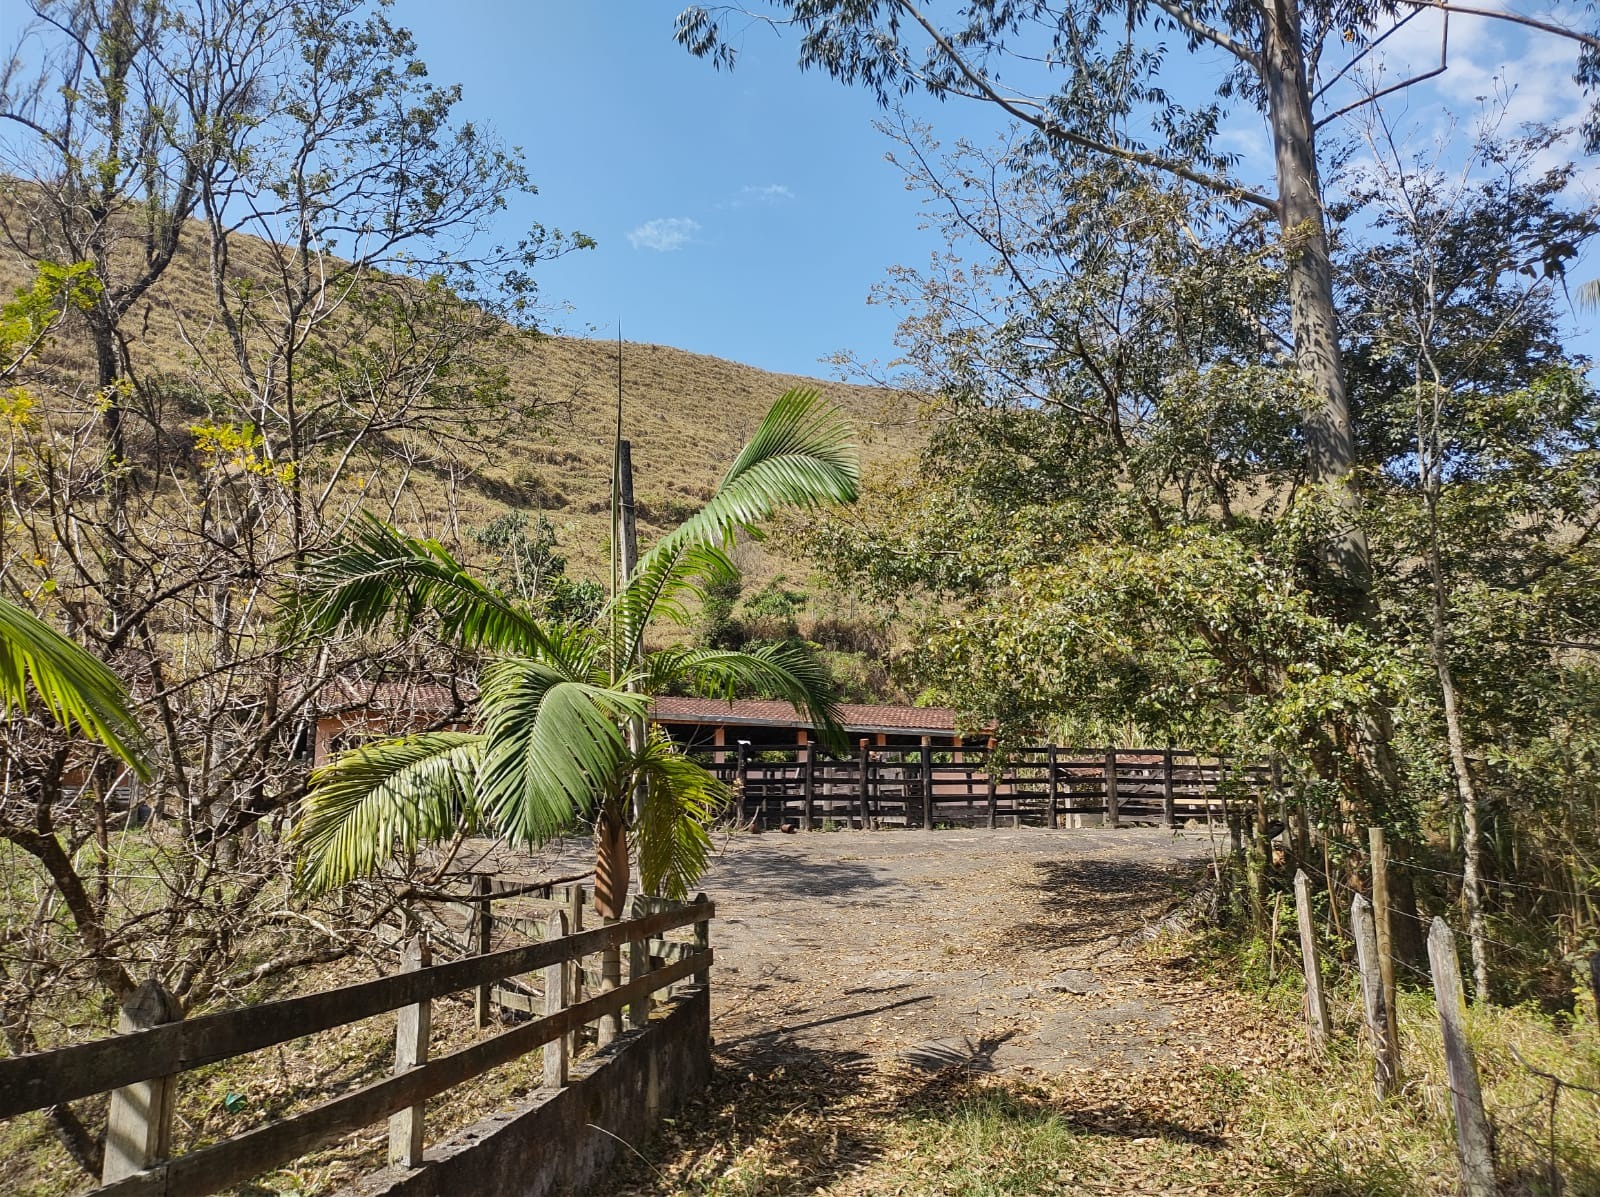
433,699
412,696
857,717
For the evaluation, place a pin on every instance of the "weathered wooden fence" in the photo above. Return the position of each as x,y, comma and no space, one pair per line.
141,1067
1040,786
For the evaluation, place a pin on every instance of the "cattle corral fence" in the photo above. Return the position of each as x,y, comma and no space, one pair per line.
931,786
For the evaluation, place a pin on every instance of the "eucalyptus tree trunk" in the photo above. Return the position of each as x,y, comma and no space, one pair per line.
1312,313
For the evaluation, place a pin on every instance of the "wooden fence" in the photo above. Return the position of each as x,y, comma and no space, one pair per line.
1040,786
141,1067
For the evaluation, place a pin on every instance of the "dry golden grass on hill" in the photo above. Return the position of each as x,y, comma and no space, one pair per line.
686,415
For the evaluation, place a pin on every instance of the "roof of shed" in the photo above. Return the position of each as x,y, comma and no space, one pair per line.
856,717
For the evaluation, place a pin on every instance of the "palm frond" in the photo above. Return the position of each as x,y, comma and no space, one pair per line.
801,456
792,672
384,794
671,836
1588,295
555,747
76,688
384,576
657,590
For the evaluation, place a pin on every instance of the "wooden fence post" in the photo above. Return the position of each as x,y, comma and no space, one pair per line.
139,1123
991,785
1381,916
555,997
638,966
1052,788
576,899
865,783
808,789
412,1028
482,933
926,763
1168,811
742,776
1385,1073
702,940
1594,983
1472,1125
1310,961
1111,788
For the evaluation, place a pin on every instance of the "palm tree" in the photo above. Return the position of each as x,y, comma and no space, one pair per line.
76,688
563,705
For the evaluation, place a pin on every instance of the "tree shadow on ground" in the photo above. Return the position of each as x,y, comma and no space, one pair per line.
1009,1099
1083,901
773,1118
779,873
784,1118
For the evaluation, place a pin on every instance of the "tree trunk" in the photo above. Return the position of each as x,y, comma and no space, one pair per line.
1313,315
1467,792
611,866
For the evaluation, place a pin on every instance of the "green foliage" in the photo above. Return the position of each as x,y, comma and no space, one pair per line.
27,319
718,628
529,567
1113,526
772,613
559,700
76,688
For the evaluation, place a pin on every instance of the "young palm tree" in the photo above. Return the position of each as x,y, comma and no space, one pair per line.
557,700
76,687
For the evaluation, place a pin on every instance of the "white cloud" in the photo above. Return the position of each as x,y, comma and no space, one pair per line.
665,234
767,193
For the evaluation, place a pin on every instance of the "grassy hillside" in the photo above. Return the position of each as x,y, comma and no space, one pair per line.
685,413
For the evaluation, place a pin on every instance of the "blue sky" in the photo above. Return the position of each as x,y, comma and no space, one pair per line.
744,215
748,215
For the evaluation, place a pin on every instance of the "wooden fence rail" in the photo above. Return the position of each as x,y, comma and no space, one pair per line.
1044,786
129,1063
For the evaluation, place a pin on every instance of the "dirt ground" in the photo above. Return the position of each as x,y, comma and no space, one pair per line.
1001,951
866,982
996,950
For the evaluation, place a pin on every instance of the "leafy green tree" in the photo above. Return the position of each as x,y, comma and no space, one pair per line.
557,699
1114,503
529,567
1089,84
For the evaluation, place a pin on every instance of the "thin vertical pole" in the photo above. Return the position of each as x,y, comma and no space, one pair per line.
1111,788
412,1029
743,776
576,900
638,966
865,782
1381,916
482,934
1316,1008
926,761
993,783
1473,1142
1168,809
139,1122
808,790
1385,1074
556,991
702,941
1052,787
